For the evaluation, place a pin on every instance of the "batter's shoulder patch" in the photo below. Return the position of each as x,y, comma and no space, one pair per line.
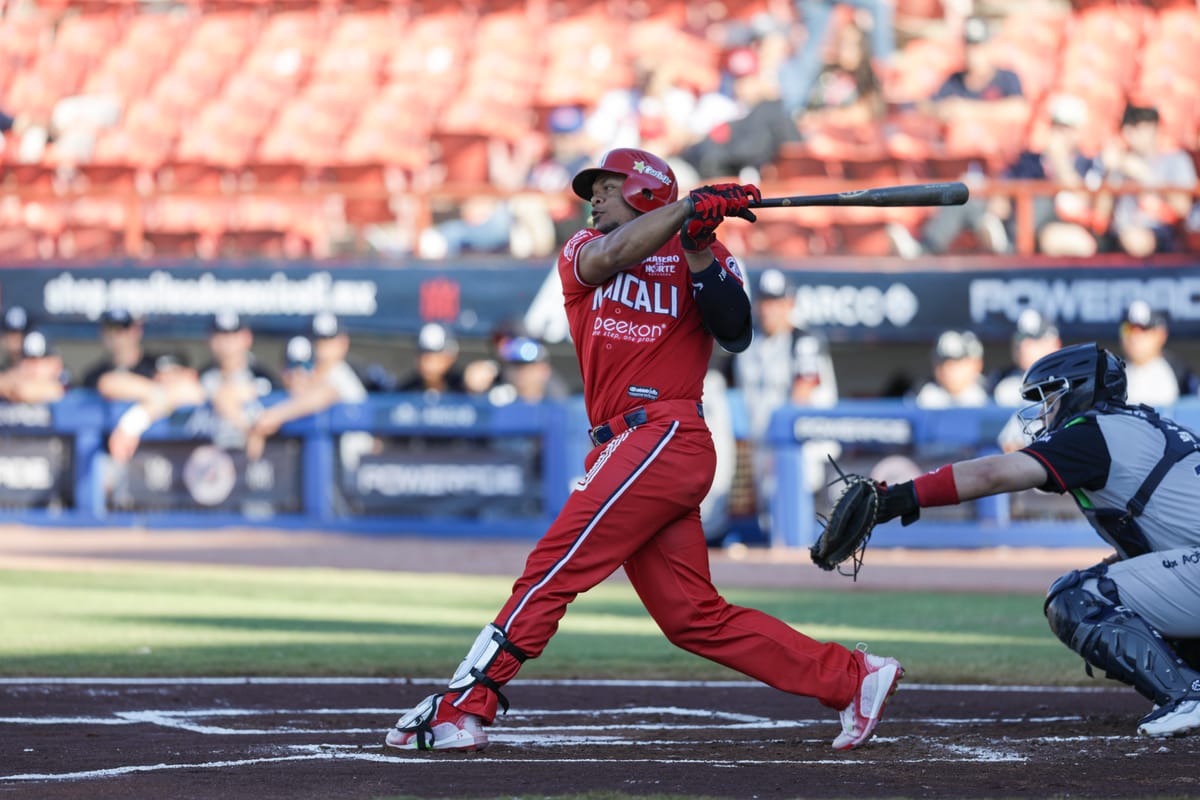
733,267
572,246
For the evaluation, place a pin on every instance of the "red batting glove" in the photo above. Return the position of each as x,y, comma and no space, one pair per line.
737,199
699,228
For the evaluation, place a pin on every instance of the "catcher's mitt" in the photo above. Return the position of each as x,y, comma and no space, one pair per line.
849,525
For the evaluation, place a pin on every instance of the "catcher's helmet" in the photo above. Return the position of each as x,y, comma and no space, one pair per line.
1068,382
649,181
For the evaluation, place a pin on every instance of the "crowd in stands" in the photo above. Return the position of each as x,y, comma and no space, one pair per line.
441,129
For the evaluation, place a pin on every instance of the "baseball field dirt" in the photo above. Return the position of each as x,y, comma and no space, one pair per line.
322,738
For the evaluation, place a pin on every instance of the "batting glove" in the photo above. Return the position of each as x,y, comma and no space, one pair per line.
699,228
738,198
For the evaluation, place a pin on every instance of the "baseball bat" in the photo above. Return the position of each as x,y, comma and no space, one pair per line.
917,194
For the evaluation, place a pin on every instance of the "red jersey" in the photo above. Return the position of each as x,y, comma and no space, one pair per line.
639,337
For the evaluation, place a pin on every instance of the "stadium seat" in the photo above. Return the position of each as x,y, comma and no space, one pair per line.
19,243
185,226
463,157
795,161
93,227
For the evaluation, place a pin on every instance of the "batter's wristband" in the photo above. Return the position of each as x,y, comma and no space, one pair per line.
937,488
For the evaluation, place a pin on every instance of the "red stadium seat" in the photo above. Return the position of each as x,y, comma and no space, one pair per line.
795,161
22,244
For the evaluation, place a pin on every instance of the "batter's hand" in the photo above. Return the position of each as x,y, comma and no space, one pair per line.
699,228
710,206
737,198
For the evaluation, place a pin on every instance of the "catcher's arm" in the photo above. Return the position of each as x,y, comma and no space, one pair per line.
865,503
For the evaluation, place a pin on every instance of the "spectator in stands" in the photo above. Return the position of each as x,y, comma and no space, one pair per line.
741,146
39,376
437,370
1063,223
1147,222
652,113
234,382
13,326
799,74
525,374
331,381
1034,337
481,225
846,99
981,89
1156,377
957,373
569,150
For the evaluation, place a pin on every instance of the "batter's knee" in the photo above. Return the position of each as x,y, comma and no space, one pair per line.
691,626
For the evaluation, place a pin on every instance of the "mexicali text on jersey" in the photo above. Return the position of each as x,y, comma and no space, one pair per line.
639,336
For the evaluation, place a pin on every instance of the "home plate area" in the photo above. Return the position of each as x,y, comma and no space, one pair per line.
322,737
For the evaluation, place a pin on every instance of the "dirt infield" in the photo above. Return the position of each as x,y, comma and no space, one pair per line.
322,739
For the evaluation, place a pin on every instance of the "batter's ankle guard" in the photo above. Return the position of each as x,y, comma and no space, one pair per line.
419,721
473,669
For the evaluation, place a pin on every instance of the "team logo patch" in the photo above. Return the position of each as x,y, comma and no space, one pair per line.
642,168
573,243
643,392
731,264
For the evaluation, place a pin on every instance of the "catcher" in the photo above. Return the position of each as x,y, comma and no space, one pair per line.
1135,476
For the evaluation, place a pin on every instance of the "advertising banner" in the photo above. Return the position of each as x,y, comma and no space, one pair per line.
440,477
36,471
849,303
195,475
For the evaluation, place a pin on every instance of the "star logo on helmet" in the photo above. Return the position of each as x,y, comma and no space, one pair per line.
639,166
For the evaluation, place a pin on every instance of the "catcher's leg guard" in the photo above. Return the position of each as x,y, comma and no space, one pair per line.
473,669
1084,611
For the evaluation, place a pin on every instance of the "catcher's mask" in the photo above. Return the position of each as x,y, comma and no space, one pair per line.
649,181
1068,382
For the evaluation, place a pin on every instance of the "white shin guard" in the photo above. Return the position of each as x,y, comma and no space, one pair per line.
483,653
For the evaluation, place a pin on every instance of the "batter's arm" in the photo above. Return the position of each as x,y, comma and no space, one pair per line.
605,256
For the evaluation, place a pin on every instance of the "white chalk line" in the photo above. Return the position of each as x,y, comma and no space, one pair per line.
441,682
540,735
326,753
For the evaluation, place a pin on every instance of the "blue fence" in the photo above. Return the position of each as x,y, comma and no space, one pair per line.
409,464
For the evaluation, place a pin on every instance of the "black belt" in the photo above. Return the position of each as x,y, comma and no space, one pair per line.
630,419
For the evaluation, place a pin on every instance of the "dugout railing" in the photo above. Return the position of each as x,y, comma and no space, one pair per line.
408,464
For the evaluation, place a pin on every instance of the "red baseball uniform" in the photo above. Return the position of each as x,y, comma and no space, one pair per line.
643,352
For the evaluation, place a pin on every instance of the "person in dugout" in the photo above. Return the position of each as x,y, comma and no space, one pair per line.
647,289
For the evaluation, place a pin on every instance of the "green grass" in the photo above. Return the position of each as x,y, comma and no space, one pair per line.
156,620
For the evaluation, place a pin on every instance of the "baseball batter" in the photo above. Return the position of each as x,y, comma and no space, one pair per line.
1135,476
647,289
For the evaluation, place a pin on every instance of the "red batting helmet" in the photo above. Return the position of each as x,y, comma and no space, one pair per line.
649,181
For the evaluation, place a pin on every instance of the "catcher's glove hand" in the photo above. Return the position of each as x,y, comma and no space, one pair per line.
863,504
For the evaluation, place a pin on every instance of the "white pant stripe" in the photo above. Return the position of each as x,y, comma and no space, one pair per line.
592,525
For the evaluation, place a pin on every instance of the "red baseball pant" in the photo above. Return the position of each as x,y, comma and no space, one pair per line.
638,506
